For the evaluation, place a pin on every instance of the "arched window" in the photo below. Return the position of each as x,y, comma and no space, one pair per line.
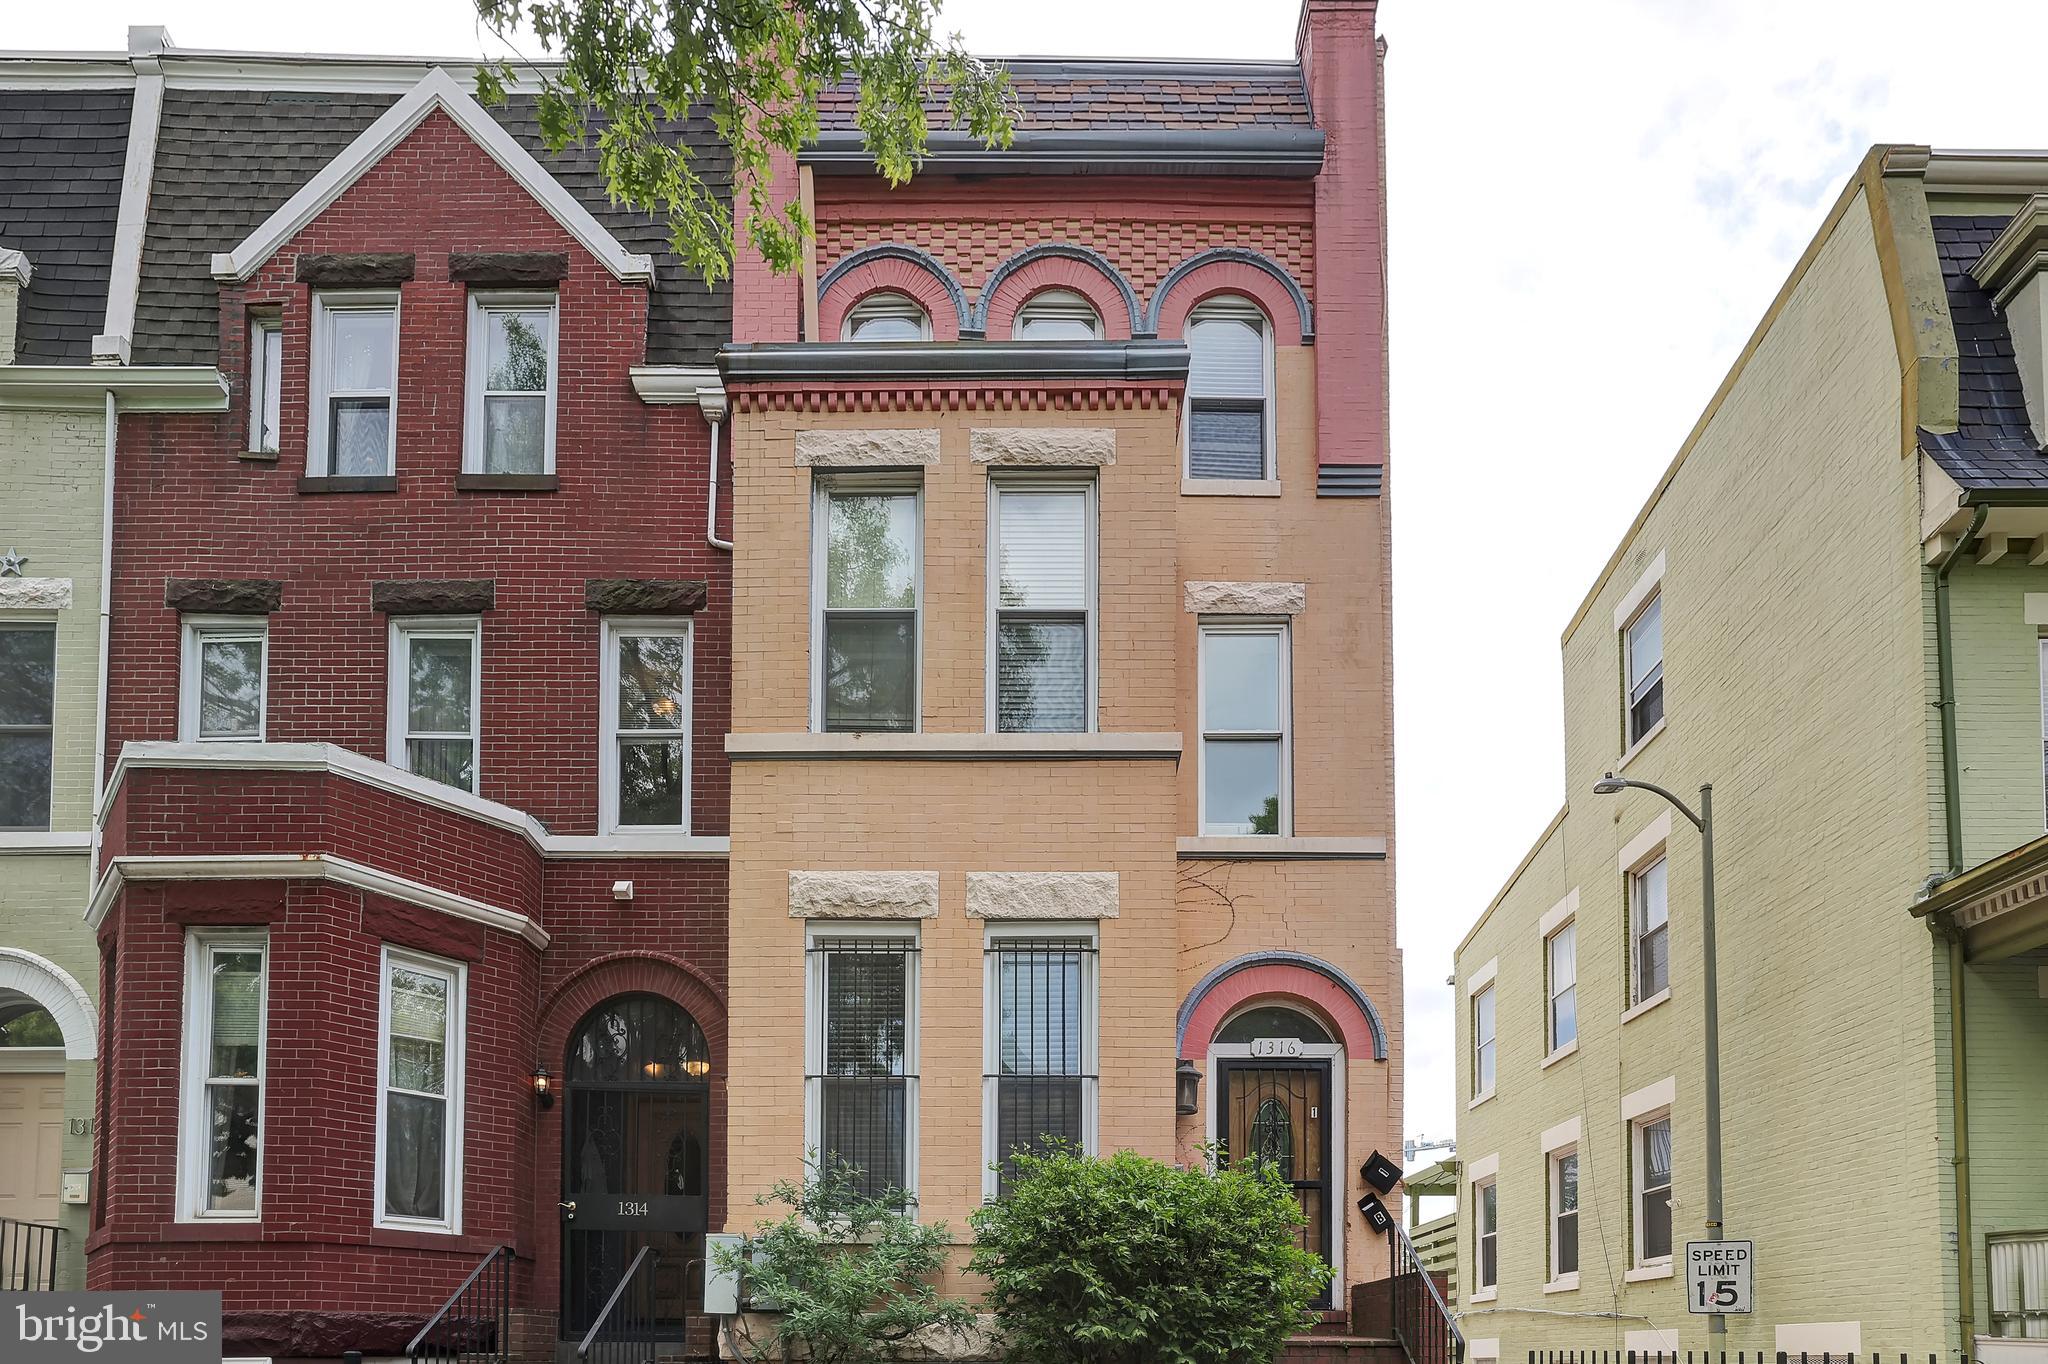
638,1039
1272,1020
887,317
1230,391
1058,315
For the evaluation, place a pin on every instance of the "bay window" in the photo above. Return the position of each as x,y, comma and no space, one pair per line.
28,696
1042,593
865,618
355,386
646,720
221,1106
510,423
860,1064
1039,1054
419,1084
224,678
436,681
1244,711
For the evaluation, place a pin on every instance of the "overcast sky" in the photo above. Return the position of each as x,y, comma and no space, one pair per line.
1592,204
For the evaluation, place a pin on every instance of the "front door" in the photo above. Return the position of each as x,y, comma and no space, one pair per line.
635,1145
1278,1113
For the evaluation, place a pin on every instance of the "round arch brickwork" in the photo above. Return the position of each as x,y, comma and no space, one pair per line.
51,986
1279,975
1058,265
626,973
892,267
1232,270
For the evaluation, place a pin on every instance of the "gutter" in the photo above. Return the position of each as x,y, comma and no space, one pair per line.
139,388
1286,151
952,362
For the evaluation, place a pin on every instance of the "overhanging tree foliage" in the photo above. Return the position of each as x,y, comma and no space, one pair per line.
758,67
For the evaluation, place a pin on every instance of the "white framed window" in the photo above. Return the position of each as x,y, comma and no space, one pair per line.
1650,1159
420,1015
1057,315
2018,1262
224,678
1245,707
1041,635
1561,962
1039,1067
1643,662
266,366
28,700
645,760
1564,1214
510,423
1485,1235
861,1051
1649,916
436,696
1230,391
220,1159
355,385
868,586
1483,1043
887,317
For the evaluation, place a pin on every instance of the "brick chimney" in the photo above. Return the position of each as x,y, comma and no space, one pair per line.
14,277
1342,63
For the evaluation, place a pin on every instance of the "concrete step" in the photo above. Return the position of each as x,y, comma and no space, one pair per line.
1341,1349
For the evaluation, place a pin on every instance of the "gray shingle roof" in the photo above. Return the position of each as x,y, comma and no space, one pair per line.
1993,446
61,153
1085,95
228,159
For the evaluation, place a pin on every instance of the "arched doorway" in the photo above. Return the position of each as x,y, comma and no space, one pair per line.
636,1086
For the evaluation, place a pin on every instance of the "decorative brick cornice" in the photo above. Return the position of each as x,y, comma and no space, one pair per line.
1075,396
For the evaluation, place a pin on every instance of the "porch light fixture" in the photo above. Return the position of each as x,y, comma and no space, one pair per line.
543,1087
696,1068
1187,1089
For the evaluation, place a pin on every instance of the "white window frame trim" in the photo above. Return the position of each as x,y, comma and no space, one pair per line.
194,1127
1640,1266
1631,743
823,485
1551,1046
998,483
1060,304
1639,1002
320,438
265,383
616,628
1554,1282
885,303
1480,1094
453,1055
195,631
398,666
814,1031
1485,1292
1245,309
1091,1015
1245,625
476,361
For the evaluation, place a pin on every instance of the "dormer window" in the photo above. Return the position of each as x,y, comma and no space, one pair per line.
887,317
355,386
1058,315
511,417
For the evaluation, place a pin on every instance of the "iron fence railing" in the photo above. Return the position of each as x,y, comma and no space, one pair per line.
475,1325
636,1322
28,1255
1422,1320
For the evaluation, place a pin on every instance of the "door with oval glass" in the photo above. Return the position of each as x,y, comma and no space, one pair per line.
635,1146
1277,1112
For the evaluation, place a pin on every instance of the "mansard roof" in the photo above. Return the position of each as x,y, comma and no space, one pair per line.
1993,445
61,153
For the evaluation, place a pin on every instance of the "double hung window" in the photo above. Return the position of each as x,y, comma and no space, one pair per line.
647,725
1564,1214
866,619
1652,1154
221,1161
1643,652
1561,955
511,418
225,678
887,317
1244,706
861,1061
1483,1043
355,388
1058,315
1039,1074
419,1128
1486,1234
1042,574
266,365
28,697
1650,929
1230,390
436,679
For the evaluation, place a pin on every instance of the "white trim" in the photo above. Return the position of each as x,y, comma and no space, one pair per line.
319,416
1478,1183
1482,1084
824,487
969,746
1646,846
1230,487
1339,1074
814,1030
1273,847
1563,1283
659,385
1554,1158
15,266
1243,309
307,867
885,303
670,846
195,1071
1649,1099
1089,1008
1565,1052
1558,914
26,841
1659,1266
1484,1168
195,632
397,708
1482,978
616,628
137,388
51,986
1837,1338
266,380
483,302
1629,755
1003,482
1566,1133
1636,1011
124,272
1645,587
453,1057
436,90
1551,992
1644,1273
1486,1348
1283,630
1648,1346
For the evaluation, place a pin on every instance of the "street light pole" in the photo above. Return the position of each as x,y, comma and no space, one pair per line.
1717,1324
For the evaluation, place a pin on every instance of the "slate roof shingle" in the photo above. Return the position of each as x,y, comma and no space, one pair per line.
1090,96
61,154
1993,445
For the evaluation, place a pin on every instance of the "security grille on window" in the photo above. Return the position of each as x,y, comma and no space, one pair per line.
266,366
223,1102
356,387
511,420
28,690
1653,1190
862,1064
647,725
1564,1214
420,1073
1563,953
1229,392
1486,1233
1042,579
225,675
867,537
435,681
1039,1086
1645,658
887,317
1650,917
1482,1042
1058,315
1244,705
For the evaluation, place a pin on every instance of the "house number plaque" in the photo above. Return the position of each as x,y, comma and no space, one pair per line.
1276,1046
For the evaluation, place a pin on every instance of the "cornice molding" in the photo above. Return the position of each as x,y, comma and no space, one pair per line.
136,388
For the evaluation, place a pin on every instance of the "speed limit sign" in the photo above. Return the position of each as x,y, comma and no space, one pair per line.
1717,1276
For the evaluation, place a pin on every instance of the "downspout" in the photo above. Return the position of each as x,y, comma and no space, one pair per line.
99,741
711,402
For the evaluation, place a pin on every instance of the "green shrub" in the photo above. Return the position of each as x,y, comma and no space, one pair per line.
1128,1261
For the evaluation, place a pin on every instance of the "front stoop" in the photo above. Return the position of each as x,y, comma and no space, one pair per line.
1339,1349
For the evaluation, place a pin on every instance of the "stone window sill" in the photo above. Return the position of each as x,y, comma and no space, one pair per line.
1478,1099
257,456
1230,487
329,483
1657,1269
507,483
1652,1002
1485,1295
1639,745
1570,1048
1563,1283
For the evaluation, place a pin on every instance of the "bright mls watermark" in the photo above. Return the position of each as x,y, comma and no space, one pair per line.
110,1328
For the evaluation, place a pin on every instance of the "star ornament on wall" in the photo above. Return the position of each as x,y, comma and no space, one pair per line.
11,563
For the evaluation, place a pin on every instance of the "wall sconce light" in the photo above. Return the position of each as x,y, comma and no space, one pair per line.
1187,1088
543,1087
696,1068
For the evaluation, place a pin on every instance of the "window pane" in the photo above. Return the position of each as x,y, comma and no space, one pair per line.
1043,559
1568,1244
439,685
1482,1015
1568,1183
1657,1225
888,327
654,681
1228,360
236,1014
1652,887
270,358
871,547
515,435
415,1136
1052,326
863,1126
517,350
1657,1153
419,1008
1226,442
651,781
451,761
231,1148
359,351
25,781
28,675
1564,1018
1645,643
1042,676
230,688
361,443
865,1029
1563,958
1241,786
1653,964
870,673
1488,1208
1038,1009
1241,682
1273,1021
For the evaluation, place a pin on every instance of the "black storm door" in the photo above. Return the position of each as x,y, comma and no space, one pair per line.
1278,1113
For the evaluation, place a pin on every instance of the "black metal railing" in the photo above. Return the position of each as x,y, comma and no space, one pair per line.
634,1321
28,1255
1422,1321
475,1325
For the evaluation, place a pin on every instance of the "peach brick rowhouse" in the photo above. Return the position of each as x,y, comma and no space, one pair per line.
580,744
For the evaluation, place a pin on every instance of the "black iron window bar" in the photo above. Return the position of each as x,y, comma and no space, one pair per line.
866,1079
1041,1055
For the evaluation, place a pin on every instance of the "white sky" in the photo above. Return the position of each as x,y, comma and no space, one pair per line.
1592,203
